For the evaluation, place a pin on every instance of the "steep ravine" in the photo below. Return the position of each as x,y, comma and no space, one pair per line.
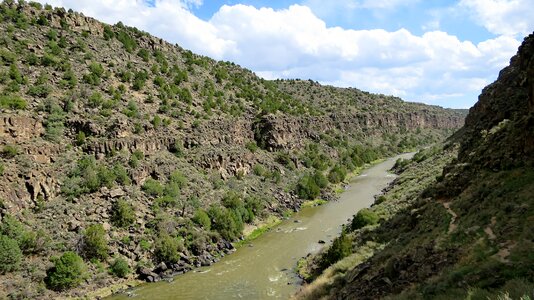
126,157
463,234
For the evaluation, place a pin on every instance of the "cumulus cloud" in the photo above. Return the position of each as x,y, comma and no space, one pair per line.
434,67
503,17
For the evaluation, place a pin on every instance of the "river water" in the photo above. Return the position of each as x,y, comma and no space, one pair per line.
265,270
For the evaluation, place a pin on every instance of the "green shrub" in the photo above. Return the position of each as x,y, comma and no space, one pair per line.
143,53
307,188
132,111
120,268
252,146
167,248
10,151
10,254
226,222
202,219
178,178
177,148
337,174
108,33
341,247
363,218
68,271
80,138
320,179
95,243
156,122
2,169
12,102
121,174
153,187
285,159
95,100
127,41
122,213
41,91
259,170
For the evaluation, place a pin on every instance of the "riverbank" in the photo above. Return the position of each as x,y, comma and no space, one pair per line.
266,269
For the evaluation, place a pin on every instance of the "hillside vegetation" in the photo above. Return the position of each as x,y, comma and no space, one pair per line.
123,156
457,223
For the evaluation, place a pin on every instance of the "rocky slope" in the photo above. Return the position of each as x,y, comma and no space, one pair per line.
465,234
143,157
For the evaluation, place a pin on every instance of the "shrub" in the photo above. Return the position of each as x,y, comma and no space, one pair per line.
143,53
10,151
202,219
259,170
2,168
178,178
120,268
68,271
341,247
122,213
95,100
307,188
127,41
132,111
12,102
227,223
41,91
363,218
95,244
10,254
121,174
177,148
320,179
285,159
108,33
153,187
156,121
167,249
252,146
80,138
337,174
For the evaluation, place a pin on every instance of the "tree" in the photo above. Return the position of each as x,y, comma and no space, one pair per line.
122,213
120,268
10,254
363,218
341,247
167,249
68,271
95,243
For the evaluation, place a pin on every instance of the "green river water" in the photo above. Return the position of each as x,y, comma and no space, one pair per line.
265,269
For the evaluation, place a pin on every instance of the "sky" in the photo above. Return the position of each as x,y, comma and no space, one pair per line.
439,52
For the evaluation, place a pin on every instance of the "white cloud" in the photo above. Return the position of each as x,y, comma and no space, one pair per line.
506,17
295,43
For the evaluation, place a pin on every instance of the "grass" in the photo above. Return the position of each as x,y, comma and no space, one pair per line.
263,227
312,203
322,285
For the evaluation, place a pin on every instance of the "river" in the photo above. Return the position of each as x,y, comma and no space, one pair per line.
265,270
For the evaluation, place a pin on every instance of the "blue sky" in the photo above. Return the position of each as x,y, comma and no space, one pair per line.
439,52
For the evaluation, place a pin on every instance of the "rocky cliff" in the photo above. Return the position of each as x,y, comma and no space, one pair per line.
465,234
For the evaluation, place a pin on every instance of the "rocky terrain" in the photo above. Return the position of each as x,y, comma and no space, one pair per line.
123,156
464,234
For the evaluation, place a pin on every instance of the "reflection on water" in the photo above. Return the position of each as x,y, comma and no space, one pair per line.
266,270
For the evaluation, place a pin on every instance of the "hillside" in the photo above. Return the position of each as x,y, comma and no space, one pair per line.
464,234
147,160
